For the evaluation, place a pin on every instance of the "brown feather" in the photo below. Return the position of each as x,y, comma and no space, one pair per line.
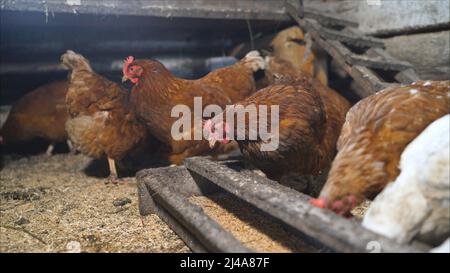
101,122
158,91
310,122
376,131
301,129
40,113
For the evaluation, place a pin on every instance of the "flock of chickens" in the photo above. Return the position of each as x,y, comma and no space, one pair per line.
396,139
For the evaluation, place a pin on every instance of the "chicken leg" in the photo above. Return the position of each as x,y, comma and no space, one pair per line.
113,178
50,148
72,149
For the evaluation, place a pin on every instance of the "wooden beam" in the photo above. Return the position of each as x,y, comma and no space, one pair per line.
358,66
378,62
364,76
166,190
183,66
353,39
293,208
149,47
230,9
329,19
407,76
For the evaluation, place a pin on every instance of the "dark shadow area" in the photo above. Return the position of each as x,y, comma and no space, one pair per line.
386,75
35,147
97,168
32,43
126,167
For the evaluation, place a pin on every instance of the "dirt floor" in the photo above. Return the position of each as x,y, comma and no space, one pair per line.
62,204
50,204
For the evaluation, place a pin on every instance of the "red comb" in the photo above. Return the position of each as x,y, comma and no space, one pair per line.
320,203
126,63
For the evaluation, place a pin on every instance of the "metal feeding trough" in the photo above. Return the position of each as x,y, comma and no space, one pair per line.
166,192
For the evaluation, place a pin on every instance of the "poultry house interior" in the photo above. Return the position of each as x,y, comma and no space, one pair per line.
87,90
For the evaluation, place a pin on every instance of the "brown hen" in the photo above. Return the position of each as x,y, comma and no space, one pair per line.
100,120
294,46
301,131
336,106
157,91
376,131
41,113
310,119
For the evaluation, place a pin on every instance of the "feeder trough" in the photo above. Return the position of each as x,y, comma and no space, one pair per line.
167,192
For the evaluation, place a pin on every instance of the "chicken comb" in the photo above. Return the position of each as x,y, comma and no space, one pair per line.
126,63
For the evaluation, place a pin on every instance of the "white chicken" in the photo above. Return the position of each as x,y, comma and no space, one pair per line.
443,248
416,205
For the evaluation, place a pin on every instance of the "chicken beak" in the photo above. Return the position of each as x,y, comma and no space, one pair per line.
320,203
124,78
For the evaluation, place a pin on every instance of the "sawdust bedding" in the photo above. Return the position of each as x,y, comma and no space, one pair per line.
62,204
50,204
253,229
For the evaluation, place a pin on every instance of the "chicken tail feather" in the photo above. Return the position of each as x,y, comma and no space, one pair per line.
72,61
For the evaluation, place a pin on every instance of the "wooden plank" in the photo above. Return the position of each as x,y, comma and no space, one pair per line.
190,239
148,47
388,62
429,53
350,38
407,76
389,18
366,78
293,208
327,19
189,221
230,9
148,206
377,62
181,66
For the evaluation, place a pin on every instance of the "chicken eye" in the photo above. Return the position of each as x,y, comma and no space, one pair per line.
131,69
